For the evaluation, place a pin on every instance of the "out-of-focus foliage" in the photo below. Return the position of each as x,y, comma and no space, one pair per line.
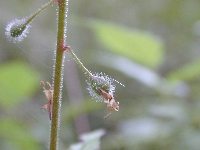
15,136
136,45
152,47
188,72
89,141
17,82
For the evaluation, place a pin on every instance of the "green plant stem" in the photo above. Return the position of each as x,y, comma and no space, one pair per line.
58,75
85,70
39,11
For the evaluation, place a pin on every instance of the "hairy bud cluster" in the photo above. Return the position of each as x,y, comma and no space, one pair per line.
16,30
100,82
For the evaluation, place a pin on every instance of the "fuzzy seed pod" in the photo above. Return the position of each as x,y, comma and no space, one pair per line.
17,29
100,82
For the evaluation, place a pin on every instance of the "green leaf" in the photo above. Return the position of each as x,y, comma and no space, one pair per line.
186,73
14,136
17,82
138,46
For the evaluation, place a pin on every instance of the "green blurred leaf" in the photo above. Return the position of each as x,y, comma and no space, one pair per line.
139,46
187,72
15,136
17,81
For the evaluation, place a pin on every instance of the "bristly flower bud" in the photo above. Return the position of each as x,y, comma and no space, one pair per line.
17,29
96,82
100,86
100,82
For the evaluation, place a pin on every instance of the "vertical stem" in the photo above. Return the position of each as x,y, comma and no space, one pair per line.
58,74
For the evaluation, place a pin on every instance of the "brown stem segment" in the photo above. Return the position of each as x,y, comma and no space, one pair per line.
58,75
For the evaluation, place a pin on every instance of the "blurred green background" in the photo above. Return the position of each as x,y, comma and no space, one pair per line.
150,46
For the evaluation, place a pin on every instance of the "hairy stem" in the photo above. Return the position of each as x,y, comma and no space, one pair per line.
58,74
39,11
85,70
